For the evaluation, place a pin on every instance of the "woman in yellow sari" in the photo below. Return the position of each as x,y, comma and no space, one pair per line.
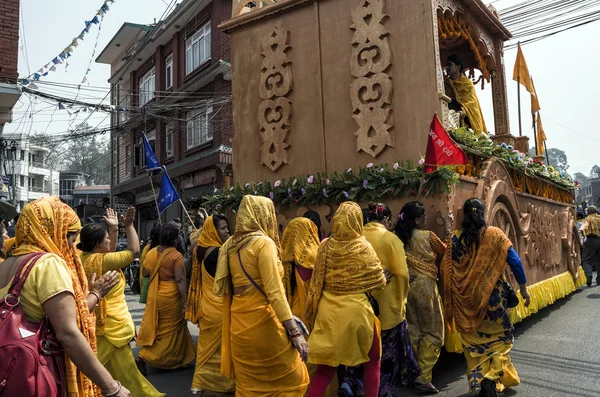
114,325
57,287
164,337
299,244
345,328
262,345
206,309
475,297
398,363
424,250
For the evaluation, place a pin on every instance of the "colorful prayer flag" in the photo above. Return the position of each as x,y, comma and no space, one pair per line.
168,194
521,72
441,149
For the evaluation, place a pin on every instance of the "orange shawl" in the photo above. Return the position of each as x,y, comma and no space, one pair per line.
468,283
43,227
209,237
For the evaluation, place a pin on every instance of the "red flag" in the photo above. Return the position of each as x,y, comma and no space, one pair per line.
441,149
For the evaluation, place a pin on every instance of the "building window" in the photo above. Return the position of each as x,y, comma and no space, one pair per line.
22,180
147,87
199,127
169,140
197,48
22,155
169,72
128,159
140,156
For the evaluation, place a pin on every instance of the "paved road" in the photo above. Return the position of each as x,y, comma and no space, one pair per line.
557,354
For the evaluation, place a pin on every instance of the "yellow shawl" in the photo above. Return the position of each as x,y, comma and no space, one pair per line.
469,282
465,94
209,237
591,225
255,218
43,227
93,264
346,262
299,245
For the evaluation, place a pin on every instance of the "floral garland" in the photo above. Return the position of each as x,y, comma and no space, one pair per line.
512,158
373,182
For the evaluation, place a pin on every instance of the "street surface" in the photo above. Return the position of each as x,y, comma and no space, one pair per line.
557,354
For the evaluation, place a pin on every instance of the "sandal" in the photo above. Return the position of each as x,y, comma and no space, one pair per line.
428,388
488,389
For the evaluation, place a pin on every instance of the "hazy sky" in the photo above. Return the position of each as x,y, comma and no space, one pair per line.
562,67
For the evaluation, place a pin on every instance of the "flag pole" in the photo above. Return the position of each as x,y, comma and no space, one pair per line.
535,137
155,199
547,156
519,102
188,215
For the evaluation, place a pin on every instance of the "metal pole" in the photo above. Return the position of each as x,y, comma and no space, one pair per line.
535,135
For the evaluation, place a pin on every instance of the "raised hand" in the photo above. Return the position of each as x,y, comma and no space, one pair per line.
111,219
129,217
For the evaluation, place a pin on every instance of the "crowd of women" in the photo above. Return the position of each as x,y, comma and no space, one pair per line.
358,312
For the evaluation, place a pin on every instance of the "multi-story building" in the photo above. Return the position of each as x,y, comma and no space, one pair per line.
69,181
9,48
30,178
172,81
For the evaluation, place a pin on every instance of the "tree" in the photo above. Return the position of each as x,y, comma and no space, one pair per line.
595,172
558,159
582,179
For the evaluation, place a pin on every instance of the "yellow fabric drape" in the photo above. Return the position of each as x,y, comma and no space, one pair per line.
390,251
541,136
535,102
207,374
521,71
464,92
92,263
43,227
300,244
147,334
468,285
209,237
591,225
254,341
346,262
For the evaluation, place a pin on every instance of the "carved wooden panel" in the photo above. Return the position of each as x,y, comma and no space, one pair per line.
275,111
371,91
241,7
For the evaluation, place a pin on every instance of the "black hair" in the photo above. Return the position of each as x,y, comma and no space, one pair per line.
580,215
155,235
365,213
169,235
91,235
407,220
315,217
379,211
473,222
198,222
455,59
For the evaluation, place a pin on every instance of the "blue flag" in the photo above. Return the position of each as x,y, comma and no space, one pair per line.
168,194
152,165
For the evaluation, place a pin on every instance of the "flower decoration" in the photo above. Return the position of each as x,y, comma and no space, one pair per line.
370,165
310,179
395,166
277,183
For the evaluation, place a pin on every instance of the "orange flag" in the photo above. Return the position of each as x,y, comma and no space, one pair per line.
521,72
541,136
535,103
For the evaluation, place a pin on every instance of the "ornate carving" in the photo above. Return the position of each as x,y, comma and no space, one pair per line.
371,92
275,112
241,7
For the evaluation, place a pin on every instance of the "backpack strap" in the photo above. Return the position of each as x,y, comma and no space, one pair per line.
21,276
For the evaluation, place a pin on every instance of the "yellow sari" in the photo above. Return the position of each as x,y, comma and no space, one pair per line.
164,337
255,345
464,92
475,298
43,227
206,310
300,244
114,326
338,310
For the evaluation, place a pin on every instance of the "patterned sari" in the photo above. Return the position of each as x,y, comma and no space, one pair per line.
475,298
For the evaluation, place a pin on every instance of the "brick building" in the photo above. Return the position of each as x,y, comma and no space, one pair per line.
9,50
172,81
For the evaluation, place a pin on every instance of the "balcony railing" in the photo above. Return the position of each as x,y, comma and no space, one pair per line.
38,189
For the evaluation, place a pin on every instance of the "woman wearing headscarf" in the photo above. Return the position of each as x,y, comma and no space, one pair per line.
424,250
475,297
57,287
345,328
299,244
114,324
398,363
152,243
206,309
262,345
164,337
